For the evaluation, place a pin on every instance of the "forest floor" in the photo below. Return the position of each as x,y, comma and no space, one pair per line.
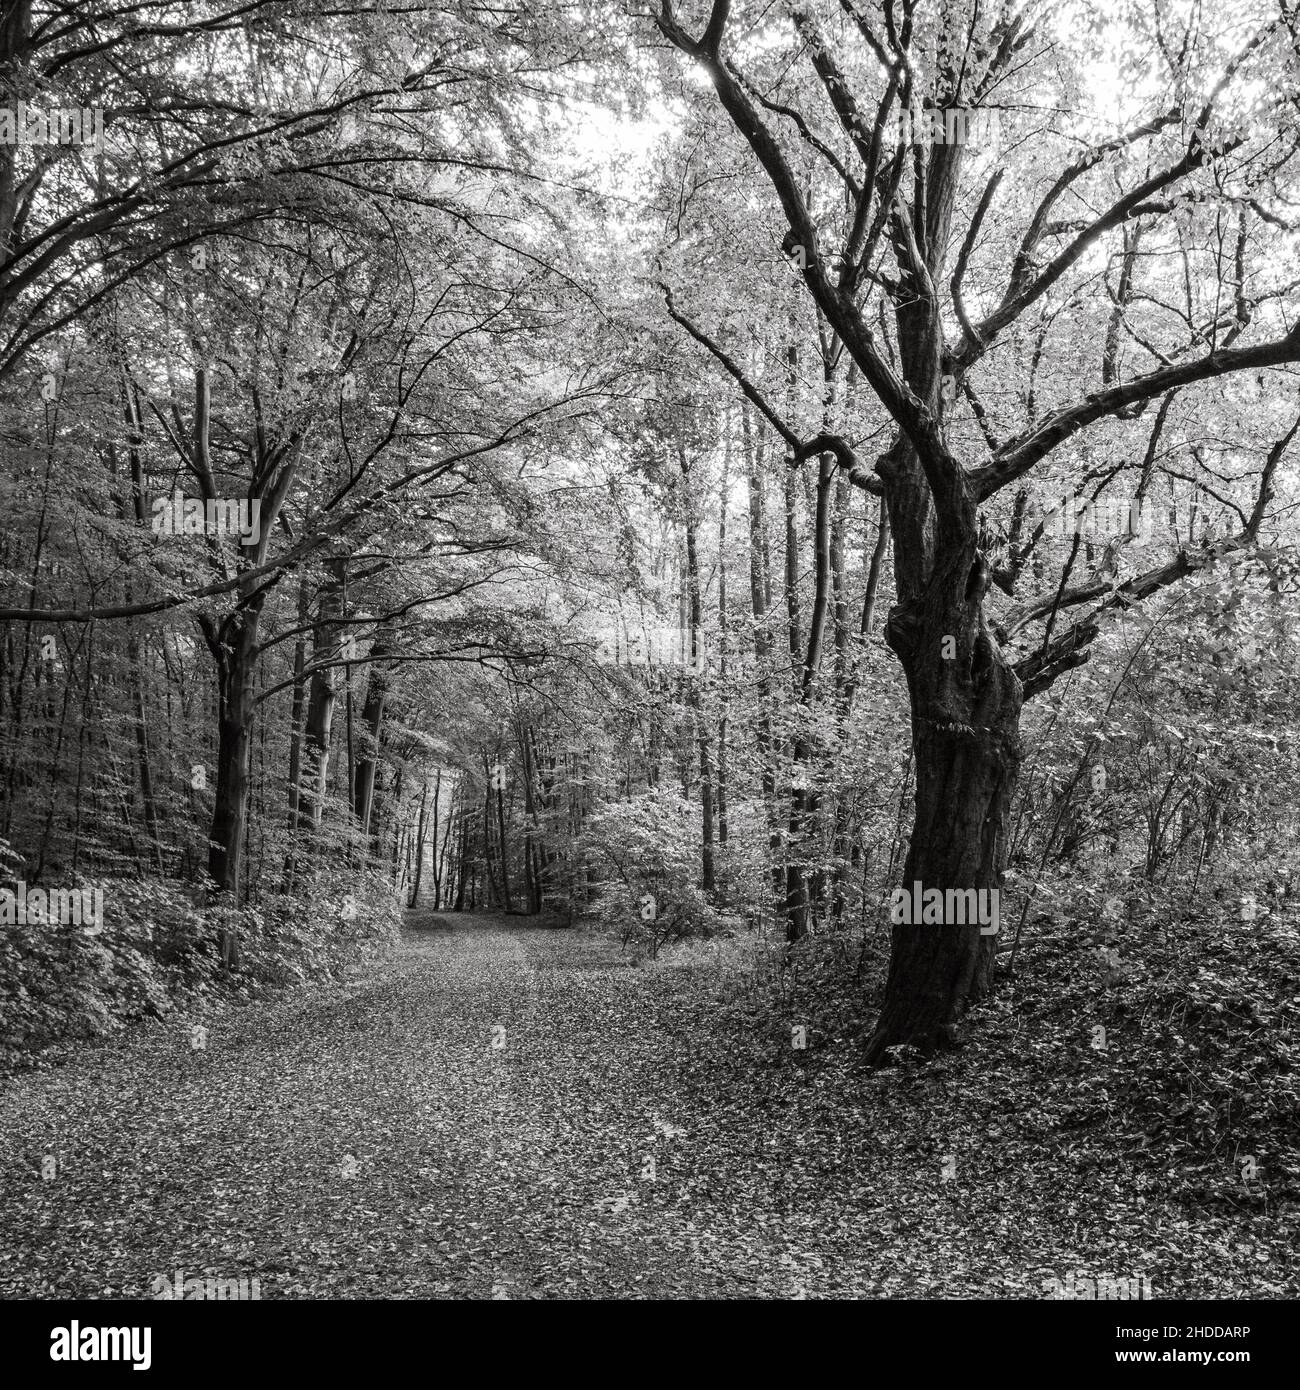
626,1137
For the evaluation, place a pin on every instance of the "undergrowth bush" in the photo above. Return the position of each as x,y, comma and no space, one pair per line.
642,858
156,950
1164,1033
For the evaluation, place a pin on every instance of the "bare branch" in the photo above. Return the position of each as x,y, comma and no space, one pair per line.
1017,456
858,473
1070,648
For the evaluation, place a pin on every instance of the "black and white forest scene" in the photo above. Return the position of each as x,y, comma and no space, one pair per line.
648,651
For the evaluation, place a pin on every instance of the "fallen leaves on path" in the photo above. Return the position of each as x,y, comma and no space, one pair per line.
502,1111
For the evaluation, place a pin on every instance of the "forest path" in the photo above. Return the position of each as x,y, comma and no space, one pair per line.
374,1143
371,1141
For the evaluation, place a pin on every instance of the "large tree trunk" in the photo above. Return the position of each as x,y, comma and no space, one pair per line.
965,734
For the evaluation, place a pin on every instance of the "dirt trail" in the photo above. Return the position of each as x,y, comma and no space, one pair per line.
505,1110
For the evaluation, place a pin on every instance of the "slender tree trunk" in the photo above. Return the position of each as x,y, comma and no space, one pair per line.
433,836
233,645
396,817
697,657
544,767
491,895
462,875
421,829
323,693
130,502
760,598
296,720
532,870
849,850
793,624
804,800
447,867
803,884
723,637
505,856
372,714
